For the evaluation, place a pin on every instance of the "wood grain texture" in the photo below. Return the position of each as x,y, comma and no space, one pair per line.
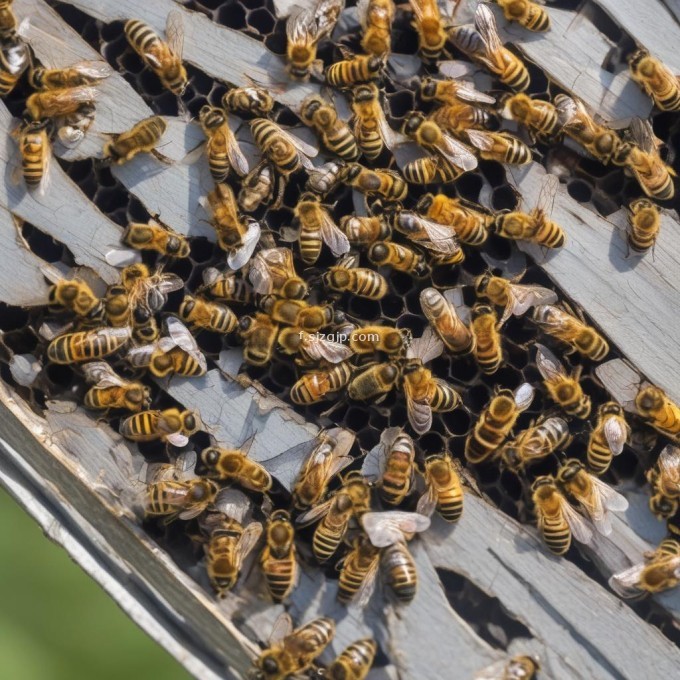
673,7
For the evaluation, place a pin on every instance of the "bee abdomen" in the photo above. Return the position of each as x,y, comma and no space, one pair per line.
324,544
140,35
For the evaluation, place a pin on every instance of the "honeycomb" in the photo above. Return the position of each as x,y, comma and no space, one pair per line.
588,181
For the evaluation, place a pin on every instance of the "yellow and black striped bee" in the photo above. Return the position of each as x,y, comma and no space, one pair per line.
77,296
346,277
204,314
365,230
317,227
358,571
564,389
321,384
81,346
249,99
539,116
431,27
82,73
278,559
171,425
8,22
444,489
354,662
487,338
610,433
222,148
158,237
529,14
386,183
360,68
376,17
500,146
660,571
399,257
14,60
112,391
143,137
334,133
656,79
645,224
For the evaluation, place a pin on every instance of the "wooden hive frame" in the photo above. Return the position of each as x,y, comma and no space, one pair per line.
74,475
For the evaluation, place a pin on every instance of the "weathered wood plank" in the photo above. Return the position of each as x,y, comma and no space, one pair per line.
634,301
673,7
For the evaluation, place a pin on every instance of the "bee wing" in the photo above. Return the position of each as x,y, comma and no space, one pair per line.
181,337
174,32
320,348
457,69
427,347
496,671
335,239
387,528
108,332
641,132
192,512
93,69
151,473
249,538
611,499
392,138
480,139
442,237
344,439
546,197
16,58
259,274
549,366
626,583
185,465
236,157
485,23
578,524
468,93
239,258
568,109
616,434
419,412
102,375
233,503
454,296
315,513
669,463
457,153
122,257
169,283
362,12
307,151
427,503
283,626
141,356
522,297
367,588
524,395
301,26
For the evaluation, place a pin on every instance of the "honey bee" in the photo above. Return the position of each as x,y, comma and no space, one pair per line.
451,91
484,45
360,68
259,333
143,137
354,662
334,133
642,158
328,458
645,223
484,327
664,478
163,58
272,272
312,347
325,178
318,385
293,651
249,99
345,276
278,559
376,17
154,236
203,314
388,184
561,323
444,490
81,346
395,456
8,22
78,75
222,148
431,28
535,443
471,224
352,500
371,129
659,411
610,433
539,116
36,154
58,103
564,389
14,60
111,391
660,571
656,80
226,286
556,519
374,382
438,239
316,228
386,339
500,146
390,531
430,170
399,257
526,13
76,296
496,421
457,119
298,313
516,668
594,496
441,313
364,231
358,572
598,140
258,188
171,425
233,465
177,353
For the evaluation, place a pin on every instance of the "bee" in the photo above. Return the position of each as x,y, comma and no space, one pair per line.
664,478
371,339
236,236
659,411
656,80
358,571
457,119
345,276
78,75
272,272
259,333
154,236
484,45
293,651
441,313
226,286
76,296
376,17
540,117
438,239
203,314
163,58
496,421
312,347
642,158
354,662
427,134
14,60
352,500
143,137
325,178
430,170
171,425
561,323
233,465
59,103
318,385
516,668
535,443
564,389
526,13
298,313
111,391
278,559
360,68
8,22
594,496
222,148
396,461
610,433
444,490
316,228
598,140
177,353
363,230
332,130
431,28
660,571
374,382
484,327
388,184
645,222
396,256
81,346
250,99
328,458
36,154
258,188
371,129
451,92
471,224
500,146
390,531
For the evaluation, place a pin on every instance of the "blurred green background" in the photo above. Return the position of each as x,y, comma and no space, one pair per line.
55,621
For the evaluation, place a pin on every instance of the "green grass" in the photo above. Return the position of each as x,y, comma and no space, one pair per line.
56,623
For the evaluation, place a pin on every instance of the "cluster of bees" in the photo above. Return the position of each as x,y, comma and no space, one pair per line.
115,339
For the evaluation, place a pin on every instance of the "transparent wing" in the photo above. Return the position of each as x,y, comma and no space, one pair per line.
392,138
141,356
616,434
233,503
93,69
419,412
427,347
240,257
362,12
335,239
249,538
118,333
388,528
181,336
454,296
485,22
185,465
442,237
307,150
523,297
669,463
626,583
524,395
496,671
174,32
177,439
577,523
367,588
427,503
457,153
314,514
344,439
549,366
102,375
567,110
122,257
457,69
480,139
283,626
320,348
236,157
301,26
468,93
546,197
642,133
259,274
611,499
